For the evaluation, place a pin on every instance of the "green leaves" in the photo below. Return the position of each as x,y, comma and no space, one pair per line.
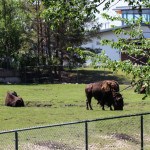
132,44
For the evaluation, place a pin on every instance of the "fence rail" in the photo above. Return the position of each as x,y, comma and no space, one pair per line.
127,131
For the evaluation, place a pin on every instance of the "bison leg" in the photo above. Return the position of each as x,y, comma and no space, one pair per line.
102,104
103,107
88,104
110,105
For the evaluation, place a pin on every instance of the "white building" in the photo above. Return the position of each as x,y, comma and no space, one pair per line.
125,12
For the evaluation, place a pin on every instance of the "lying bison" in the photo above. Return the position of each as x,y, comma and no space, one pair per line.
12,99
106,93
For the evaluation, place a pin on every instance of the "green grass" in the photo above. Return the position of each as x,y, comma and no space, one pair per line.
58,103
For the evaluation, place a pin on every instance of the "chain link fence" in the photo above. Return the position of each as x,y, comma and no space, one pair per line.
115,133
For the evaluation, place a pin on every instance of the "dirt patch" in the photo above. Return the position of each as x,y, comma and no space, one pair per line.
48,104
55,145
73,105
126,137
49,145
116,142
38,104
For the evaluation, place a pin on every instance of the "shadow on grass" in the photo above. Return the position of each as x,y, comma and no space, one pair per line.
81,76
89,76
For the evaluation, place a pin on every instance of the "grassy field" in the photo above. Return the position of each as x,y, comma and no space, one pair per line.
58,103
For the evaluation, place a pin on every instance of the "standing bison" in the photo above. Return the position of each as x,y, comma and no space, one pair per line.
106,93
12,99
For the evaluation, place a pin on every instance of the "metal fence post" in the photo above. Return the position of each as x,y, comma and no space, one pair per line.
142,143
16,140
86,135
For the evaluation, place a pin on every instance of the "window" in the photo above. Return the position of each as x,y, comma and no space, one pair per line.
135,14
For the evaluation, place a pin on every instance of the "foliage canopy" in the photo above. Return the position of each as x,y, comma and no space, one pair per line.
51,32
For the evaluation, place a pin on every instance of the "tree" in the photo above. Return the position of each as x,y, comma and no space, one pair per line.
134,45
14,32
9,32
45,32
67,21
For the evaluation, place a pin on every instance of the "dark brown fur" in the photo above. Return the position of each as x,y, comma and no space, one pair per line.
13,100
106,93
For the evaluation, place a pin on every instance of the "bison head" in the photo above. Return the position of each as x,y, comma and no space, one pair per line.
118,101
19,102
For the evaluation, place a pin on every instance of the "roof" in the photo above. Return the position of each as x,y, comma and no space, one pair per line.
145,33
128,8
112,29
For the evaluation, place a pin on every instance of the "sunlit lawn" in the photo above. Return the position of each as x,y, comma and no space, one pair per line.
58,103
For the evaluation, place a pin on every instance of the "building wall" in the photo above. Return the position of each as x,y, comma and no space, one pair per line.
113,54
146,31
110,52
